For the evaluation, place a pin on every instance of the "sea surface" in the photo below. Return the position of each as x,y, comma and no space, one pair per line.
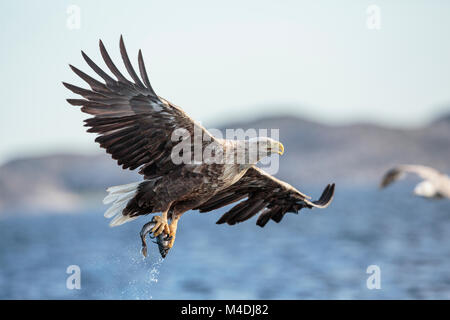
318,254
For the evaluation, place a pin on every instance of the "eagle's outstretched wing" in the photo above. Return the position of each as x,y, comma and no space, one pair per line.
396,173
135,125
263,191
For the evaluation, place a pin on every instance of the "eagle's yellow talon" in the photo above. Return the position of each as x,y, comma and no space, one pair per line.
160,226
173,231
172,241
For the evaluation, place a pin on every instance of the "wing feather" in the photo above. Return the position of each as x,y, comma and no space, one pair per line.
134,124
97,69
112,67
143,73
128,65
94,84
262,190
394,174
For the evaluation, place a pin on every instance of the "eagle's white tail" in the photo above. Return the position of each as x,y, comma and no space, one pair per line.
119,197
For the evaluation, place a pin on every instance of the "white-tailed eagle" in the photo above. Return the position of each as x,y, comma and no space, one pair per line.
135,126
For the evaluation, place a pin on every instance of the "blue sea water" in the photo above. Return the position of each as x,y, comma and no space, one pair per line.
318,254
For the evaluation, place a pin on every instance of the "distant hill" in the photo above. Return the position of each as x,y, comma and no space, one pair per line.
356,153
57,182
315,155
445,119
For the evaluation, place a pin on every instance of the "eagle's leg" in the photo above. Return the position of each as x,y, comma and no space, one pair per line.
161,224
173,230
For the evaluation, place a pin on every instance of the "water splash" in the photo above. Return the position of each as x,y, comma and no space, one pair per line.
139,279
144,278
154,272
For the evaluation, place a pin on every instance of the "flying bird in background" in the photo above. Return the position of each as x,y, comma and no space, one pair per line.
434,184
135,126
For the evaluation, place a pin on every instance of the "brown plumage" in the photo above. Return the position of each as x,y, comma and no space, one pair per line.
261,191
135,126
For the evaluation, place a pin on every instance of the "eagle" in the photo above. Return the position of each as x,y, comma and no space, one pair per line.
434,185
136,126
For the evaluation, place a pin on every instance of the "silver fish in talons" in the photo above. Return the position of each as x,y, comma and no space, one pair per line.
162,240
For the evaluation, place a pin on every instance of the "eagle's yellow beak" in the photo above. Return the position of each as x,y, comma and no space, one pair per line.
280,148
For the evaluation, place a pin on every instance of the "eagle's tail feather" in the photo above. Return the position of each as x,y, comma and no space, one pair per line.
123,188
119,196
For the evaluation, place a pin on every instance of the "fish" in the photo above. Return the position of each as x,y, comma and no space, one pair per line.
162,240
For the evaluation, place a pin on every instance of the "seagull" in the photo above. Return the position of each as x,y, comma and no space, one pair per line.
434,185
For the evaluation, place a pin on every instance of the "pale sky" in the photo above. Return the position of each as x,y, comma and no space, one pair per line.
226,61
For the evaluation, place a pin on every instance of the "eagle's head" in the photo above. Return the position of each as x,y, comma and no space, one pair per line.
268,146
261,147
